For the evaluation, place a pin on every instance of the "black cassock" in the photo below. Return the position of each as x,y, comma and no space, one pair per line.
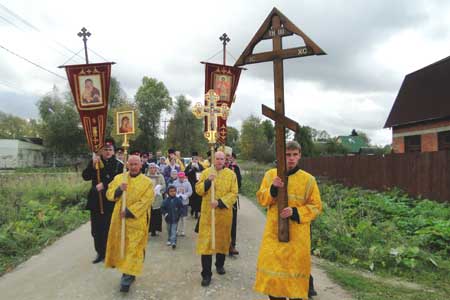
195,201
100,222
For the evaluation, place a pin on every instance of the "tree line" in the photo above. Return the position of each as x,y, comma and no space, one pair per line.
60,128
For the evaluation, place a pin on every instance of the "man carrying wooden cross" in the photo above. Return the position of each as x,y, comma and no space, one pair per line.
283,269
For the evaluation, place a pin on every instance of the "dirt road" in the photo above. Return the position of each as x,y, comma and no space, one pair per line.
64,270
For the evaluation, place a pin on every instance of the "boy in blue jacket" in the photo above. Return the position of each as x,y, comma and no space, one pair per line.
172,209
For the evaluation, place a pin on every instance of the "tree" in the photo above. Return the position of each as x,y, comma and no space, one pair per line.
117,100
185,132
332,147
61,129
12,127
151,98
304,138
364,136
269,131
254,143
233,138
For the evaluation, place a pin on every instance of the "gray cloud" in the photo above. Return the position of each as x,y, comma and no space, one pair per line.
168,40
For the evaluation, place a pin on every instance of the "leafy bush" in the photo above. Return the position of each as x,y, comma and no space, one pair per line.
36,209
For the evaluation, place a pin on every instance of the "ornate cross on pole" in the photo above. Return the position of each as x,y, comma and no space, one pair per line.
85,34
225,40
211,111
275,27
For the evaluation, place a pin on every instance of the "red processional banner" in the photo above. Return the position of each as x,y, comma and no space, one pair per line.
224,81
90,89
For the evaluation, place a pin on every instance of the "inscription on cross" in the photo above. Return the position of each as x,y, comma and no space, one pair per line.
275,27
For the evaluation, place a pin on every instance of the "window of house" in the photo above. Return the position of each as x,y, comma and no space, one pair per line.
412,143
444,140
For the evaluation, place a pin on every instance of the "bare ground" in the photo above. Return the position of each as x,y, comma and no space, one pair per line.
64,269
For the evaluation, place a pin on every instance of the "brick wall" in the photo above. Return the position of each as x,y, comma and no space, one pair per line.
398,145
429,142
428,131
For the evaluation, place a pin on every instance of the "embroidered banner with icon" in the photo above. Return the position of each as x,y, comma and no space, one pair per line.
224,81
90,89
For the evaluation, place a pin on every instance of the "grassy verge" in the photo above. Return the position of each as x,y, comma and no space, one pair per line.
379,288
36,210
388,234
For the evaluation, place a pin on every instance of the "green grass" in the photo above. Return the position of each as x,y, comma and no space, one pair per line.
378,288
36,210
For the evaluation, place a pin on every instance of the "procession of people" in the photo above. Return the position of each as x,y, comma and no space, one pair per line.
157,191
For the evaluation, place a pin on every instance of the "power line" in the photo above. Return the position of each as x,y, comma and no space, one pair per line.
12,13
18,17
33,63
11,23
15,15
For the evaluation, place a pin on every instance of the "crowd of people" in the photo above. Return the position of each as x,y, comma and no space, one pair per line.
158,188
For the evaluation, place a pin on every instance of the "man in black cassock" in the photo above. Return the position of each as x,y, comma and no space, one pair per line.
232,164
192,171
109,167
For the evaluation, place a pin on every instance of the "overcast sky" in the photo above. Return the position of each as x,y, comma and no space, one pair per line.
371,46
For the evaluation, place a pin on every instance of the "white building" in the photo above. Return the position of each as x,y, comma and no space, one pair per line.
20,154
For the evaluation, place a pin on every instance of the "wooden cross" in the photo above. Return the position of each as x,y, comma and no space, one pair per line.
211,111
275,27
85,34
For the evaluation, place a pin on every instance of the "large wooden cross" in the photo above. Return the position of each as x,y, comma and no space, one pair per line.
275,27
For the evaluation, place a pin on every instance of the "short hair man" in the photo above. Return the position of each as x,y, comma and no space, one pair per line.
226,190
284,269
109,167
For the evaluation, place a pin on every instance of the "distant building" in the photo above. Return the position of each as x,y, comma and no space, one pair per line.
420,116
21,153
353,143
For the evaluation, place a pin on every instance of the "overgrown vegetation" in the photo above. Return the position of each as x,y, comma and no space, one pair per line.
36,209
387,233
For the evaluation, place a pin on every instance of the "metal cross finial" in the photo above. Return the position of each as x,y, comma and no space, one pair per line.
225,39
85,34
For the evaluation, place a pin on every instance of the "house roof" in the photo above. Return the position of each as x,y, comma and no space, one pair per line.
424,95
352,143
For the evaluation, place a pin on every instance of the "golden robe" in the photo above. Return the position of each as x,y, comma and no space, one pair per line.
283,268
180,163
226,189
205,163
139,197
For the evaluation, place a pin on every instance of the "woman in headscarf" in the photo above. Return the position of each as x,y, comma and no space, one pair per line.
160,187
